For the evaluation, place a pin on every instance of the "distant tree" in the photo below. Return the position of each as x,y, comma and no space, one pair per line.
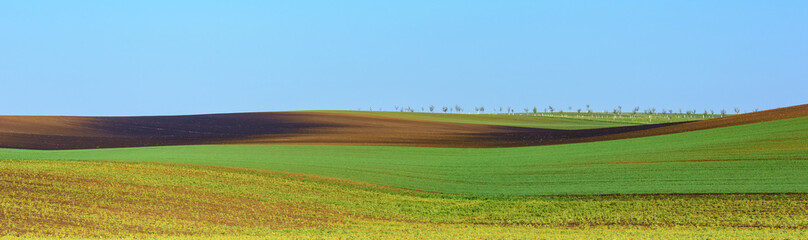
396,108
636,109
712,112
670,111
737,110
756,109
653,110
534,110
445,109
569,108
500,109
723,112
431,108
587,108
579,110
551,108
527,110
458,108
482,109
422,109
510,110
619,109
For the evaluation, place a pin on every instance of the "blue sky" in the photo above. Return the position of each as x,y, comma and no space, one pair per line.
185,57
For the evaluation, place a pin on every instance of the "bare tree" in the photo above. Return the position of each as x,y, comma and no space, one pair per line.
551,108
737,110
636,109
458,108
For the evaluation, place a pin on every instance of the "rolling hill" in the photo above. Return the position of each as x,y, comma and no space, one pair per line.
348,175
315,128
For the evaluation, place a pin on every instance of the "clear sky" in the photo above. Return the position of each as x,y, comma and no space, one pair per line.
184,57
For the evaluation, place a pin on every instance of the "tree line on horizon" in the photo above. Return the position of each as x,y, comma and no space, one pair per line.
550,109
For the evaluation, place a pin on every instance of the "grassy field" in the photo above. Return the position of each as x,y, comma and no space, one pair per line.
767,157
625,118
516,120
555,120
114,199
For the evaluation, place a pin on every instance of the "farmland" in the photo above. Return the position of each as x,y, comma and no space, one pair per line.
735,177
542,120
745,158
553,120
108,199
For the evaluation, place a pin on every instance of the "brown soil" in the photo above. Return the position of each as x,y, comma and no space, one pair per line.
56,132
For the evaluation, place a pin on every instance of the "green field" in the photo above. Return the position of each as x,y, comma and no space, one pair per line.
555,120
761,157
515,120
625,118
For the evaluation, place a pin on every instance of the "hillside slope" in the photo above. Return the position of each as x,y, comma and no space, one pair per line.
753,158
316,128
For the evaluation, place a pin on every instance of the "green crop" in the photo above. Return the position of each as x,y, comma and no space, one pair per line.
767,157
